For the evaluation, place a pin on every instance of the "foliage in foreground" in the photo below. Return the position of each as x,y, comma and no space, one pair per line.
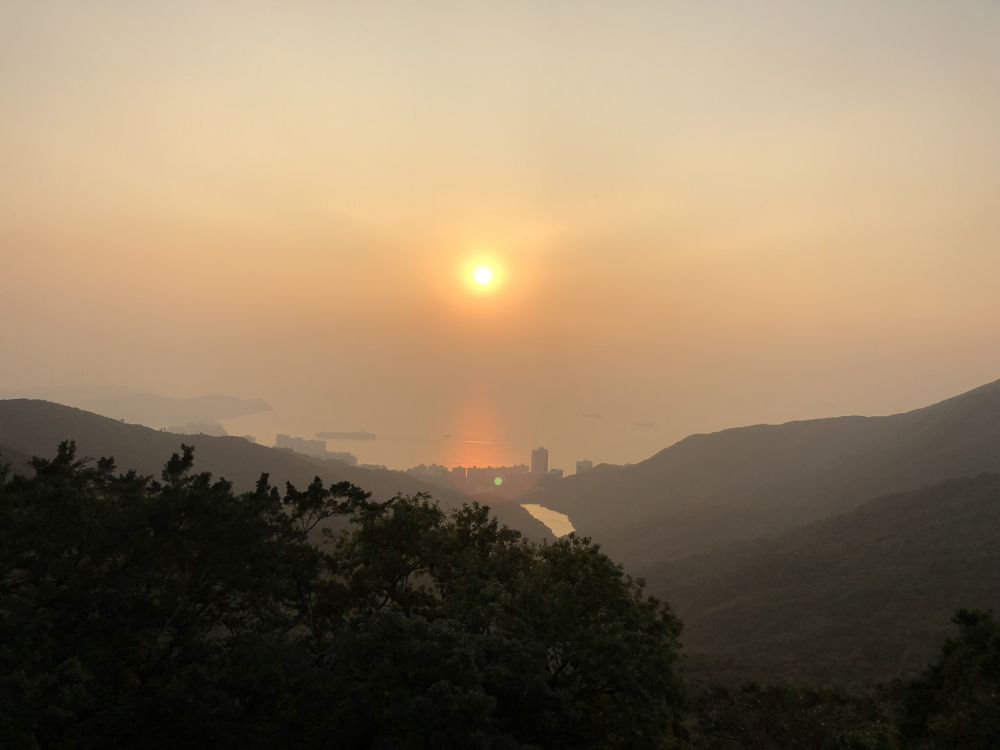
142,613
956,702
789,717
136,612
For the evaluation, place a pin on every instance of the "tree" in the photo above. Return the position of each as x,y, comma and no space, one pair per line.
141,612
956,701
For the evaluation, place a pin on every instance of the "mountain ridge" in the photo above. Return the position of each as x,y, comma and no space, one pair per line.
754,481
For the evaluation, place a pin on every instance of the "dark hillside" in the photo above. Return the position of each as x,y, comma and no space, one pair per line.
862,596
750,482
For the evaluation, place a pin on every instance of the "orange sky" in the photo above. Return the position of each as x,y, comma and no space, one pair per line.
704,214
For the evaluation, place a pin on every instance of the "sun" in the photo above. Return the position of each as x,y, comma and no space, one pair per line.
483,275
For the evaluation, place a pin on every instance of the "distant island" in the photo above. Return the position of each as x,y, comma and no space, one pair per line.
360,435
150,409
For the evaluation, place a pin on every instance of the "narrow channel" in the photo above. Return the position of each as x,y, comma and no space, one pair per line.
558,523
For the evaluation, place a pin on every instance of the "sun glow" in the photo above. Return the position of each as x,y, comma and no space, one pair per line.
483,275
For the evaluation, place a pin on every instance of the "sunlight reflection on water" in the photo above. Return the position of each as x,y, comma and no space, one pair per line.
558,523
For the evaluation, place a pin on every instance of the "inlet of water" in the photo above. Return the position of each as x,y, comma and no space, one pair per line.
558,523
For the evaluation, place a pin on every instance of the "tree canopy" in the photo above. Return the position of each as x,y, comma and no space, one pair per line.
956,701
159,612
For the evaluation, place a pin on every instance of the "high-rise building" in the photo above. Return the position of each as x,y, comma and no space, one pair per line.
582,466
540,461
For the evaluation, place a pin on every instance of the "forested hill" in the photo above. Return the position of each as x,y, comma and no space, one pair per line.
749,482
863,596
35,428
15,459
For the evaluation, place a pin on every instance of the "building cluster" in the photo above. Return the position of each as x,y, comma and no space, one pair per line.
314,448
505,481
429,471
475,480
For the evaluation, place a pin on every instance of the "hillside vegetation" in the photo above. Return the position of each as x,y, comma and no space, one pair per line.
861,597
166,613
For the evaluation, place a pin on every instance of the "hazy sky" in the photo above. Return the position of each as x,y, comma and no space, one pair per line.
702,214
